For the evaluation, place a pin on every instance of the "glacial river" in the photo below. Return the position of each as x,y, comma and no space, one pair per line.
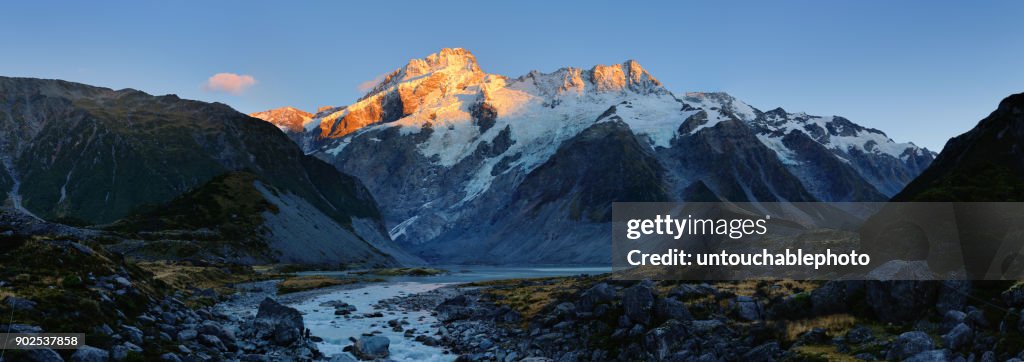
336,330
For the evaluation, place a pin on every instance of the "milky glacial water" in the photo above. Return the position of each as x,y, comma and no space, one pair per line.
336,330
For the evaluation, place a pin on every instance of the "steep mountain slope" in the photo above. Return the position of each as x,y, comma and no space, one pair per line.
454,154
982,173
983,164
92,155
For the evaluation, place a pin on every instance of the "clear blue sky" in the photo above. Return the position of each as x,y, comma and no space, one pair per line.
921,71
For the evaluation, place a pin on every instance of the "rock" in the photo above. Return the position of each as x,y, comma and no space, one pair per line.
953,295
748,308
565,309
90,354
952,319
959,337
859,334
454,309
930,356
41,355
370,348
1014,296
277,323
600,293
133,334
976,318
342,358
20,304
123,282
792,307
146,319
170,357
909,344
212,342
225,335
988,356
121,352
187,335
663,340
901,300
638,303
690,291
765,352
813,336
830,298
671,308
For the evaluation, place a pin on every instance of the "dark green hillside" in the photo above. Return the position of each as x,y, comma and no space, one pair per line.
93,155
984,164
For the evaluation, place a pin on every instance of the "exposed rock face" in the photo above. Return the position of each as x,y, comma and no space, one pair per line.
278,324
444,146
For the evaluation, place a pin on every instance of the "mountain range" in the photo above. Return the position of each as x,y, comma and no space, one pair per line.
469,166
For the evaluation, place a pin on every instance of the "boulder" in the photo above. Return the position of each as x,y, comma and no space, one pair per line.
371,348
212,342
859,334
454,308
1014,296
121,352
134,334
910,344
41,355
901,300
225,335
748,308
959,337
90,354
830,298
600,293
187,335
277,323
662,341
813,336
690,291
638,303
671,308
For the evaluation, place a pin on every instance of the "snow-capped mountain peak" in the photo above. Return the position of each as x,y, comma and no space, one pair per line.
443,145
288,119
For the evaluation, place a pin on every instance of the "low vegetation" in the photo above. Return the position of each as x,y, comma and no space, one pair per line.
309,282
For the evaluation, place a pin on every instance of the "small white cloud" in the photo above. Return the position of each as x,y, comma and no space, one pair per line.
368,85
229,83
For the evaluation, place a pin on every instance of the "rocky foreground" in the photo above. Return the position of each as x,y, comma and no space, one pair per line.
60,279
590,319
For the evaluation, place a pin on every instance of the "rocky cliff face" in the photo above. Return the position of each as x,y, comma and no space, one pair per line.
89,155
467,163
